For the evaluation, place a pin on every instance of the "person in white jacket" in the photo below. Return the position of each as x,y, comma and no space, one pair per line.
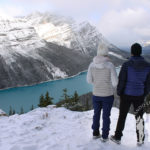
103,76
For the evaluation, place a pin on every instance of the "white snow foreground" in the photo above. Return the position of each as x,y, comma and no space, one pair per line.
61,129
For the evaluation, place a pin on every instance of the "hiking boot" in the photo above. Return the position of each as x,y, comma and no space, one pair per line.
116,140
104,139
140,143
96,134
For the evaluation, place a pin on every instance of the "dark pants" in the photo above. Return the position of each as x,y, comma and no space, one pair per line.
125,103
100,103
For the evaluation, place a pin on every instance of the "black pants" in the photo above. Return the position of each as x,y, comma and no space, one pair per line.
125,103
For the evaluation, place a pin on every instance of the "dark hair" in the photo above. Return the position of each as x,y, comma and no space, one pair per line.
136,49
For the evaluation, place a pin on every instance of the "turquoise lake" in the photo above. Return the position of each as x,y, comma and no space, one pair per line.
26,96
29,95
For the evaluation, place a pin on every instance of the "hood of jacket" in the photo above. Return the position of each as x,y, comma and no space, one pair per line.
100,61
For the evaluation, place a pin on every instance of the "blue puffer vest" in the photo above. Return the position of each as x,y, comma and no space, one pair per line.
134,77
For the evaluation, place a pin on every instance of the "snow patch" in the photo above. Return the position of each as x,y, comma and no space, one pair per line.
17,36
116,55
57,73
2,113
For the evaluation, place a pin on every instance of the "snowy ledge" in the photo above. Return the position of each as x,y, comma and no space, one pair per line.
61,129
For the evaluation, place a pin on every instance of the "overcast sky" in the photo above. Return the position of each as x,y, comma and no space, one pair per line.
122,22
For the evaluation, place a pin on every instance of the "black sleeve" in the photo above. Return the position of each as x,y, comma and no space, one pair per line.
122,79
147,85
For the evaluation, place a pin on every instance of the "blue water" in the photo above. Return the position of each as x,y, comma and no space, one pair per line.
26,96
29,95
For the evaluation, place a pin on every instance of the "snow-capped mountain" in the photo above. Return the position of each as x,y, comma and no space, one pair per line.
71,36
25,58
41,47
61,129
146,43
146,47
64,31
18,37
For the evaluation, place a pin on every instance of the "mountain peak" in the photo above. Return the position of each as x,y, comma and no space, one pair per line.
34,14
147,43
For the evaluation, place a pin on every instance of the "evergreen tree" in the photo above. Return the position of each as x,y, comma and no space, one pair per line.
21,111
42,101
48,99
67,99
45,101
75,97
65,96
10,111
14,112
32,107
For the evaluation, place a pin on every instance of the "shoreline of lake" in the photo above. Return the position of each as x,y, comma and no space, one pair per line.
25,96
43,81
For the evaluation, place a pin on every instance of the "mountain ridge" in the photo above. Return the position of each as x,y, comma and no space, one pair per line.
27,58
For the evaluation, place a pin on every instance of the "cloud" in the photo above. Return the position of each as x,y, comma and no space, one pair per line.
75,8
121,21
126,26
11,10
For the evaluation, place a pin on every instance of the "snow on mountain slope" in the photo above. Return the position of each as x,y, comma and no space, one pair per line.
60,129
17,37
64,31
146,43
42,46
146,47
23,56
117,55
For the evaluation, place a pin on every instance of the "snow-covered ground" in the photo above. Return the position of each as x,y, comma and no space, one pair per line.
61,129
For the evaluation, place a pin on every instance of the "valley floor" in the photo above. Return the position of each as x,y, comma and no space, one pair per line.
61,129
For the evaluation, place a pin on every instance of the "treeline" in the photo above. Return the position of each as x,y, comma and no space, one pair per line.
43,102
68,101
12,111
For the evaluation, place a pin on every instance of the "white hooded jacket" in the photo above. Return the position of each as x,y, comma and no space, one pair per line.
103,76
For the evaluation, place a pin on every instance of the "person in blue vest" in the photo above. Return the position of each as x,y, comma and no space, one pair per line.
133,86
102,75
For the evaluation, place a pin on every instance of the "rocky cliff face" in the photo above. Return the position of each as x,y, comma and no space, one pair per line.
52,62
